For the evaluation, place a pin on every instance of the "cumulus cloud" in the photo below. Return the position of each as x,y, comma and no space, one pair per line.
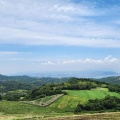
39,64
107,60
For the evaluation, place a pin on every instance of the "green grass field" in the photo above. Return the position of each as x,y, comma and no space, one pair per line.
12,107
70,101
65,105
11,110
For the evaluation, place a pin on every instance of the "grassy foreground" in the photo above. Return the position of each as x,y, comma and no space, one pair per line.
12,107
11,110
96,116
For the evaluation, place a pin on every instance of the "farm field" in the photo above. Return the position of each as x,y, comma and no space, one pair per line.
67,103
12,107
62,109
11,110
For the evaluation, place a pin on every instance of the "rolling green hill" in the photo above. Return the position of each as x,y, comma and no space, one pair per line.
8,83
65,105
32,80
73,92
74,97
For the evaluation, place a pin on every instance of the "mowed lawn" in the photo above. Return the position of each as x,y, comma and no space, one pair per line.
70,101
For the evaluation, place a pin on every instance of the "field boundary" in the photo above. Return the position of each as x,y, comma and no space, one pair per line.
43,103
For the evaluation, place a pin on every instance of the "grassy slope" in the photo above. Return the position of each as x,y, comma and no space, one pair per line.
11,110
12,107
70,101
16,110
65,103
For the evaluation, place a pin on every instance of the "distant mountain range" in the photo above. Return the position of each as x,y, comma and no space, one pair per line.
44,78
37,81
78,74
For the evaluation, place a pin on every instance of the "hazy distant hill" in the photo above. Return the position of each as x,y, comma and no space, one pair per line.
18,78
109,77
25,82
33,80
77,74
112,80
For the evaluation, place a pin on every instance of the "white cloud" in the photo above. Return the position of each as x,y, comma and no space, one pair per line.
110,59
14,56
40,65
48,63
26,37
63,8
107,60
7,53
72,9
55,23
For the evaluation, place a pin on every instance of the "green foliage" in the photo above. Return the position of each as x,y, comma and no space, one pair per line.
109,102
12,107
14,85
114,88
15,95
10,83
33,80
80,84
45,90
115,80
0,97
74,97
71,84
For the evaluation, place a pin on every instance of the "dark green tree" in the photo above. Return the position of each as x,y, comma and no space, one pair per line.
0,97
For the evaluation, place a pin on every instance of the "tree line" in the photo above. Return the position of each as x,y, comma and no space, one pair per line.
114,88
108,103
51,88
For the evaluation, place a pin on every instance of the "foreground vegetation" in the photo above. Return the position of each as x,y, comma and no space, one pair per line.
11,110
96,116
108,103
59,99
68,103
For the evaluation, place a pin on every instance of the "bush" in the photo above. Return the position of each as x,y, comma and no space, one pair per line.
0,97
109,102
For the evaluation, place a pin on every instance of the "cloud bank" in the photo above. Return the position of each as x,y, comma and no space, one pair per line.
59,22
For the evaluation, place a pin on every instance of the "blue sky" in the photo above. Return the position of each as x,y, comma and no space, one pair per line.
59,35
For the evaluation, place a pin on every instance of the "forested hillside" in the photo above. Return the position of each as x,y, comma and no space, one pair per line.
111,80
8,83
33,80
